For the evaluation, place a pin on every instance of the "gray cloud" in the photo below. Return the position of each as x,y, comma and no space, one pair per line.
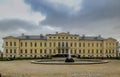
95,17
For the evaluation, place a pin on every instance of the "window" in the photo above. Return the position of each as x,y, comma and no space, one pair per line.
75,37
71,44
88,44
14,43
79,51
10,43
58,37
25,50
58,50
6,50
21,51
45,44
45,51
79,44
14,50
62,44
40,50
88,51
50,44
96,51
71,37
25,43
106,51
50,51
31,44
113,51
62,37
35,50
21,44
97,44
109,51
62,50
10,50
83,44
6,43
59,44
66,37
75,44
75,51
93,51
92,44
83,50
100,51
54,44
40,44
35,44
30,50
54,51
66,44
66,50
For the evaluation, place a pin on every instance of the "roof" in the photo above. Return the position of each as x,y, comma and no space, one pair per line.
31,37
91,38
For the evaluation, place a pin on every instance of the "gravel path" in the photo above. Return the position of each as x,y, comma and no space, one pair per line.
26,69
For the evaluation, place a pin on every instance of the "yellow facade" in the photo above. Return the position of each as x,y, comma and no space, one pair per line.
59,43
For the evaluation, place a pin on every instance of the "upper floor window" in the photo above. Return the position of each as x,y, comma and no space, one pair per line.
30,50
21,51
75,44
40,50
58,43
21,44
79,51
14,43
50,44
79,44
35,44
97,44
25,43
66,44
14,50
45,51
40,44
10,43
31,44
45,44
25,50
6,50
71,44
63,44
10,50
88,44
6,43
66,37
92,44
83,44
35,50
58,37
54,44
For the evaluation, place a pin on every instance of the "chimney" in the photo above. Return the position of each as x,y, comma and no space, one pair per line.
68,32
99,36
23,34
41,35
56,32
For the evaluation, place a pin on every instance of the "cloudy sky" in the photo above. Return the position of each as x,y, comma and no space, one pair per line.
89,17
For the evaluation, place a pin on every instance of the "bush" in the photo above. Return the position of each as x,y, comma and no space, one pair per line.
4,59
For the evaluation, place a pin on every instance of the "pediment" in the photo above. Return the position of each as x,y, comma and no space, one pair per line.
10,37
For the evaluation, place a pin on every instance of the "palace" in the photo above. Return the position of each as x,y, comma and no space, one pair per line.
59,43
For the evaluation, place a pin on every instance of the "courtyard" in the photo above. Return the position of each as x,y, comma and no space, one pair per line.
26,69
